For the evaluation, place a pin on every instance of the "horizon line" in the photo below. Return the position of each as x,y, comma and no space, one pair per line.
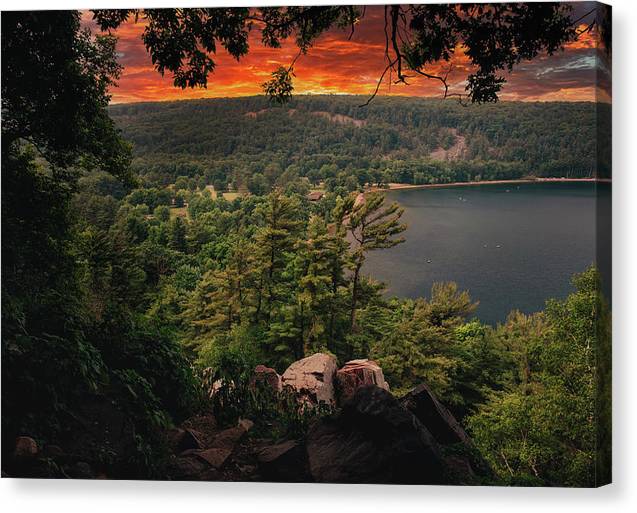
305,95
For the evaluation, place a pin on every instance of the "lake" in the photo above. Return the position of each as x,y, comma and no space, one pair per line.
511,246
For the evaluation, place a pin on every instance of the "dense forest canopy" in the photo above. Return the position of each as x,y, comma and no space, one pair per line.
331,138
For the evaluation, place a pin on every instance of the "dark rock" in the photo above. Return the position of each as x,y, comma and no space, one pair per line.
210,474
28,461
189,452
216,456
188,468
268,376
464,465
373,440
25,447
222,446
431,413
204,427
181,440
284,462
229,437
356,374
459,470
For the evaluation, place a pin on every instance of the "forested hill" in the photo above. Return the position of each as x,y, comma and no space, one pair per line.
333,138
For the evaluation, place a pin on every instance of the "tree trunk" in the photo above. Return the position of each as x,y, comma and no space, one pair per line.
299,350
352,316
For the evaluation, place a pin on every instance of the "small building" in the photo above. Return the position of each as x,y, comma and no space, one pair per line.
315,195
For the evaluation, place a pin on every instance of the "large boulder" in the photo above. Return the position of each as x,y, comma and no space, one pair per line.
422,402
266,375
312,378
356,374
463,463
373,440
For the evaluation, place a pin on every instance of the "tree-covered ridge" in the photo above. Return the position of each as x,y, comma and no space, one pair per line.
331,138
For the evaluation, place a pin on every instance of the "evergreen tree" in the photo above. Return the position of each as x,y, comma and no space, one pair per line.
274,242
178,235
372,226
421,344
223,298
315,288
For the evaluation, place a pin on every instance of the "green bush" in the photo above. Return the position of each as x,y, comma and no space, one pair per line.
228,381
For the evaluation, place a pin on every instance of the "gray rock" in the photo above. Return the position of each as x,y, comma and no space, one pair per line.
312,378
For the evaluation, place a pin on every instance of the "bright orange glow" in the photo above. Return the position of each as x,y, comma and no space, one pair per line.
336,65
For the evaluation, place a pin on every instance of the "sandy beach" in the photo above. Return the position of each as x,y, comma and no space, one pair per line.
401,186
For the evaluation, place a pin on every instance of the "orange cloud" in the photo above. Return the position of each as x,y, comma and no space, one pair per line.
337,65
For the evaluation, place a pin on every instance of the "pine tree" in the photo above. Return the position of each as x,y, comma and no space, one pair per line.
315,295
274,242
372,225
223,298
178,235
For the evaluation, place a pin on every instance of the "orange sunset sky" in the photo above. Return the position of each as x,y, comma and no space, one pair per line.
335,65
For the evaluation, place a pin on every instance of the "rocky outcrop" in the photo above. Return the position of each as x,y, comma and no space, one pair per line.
312,378
439,421
373,440
205,461
463,464
266,375
356,374
373,437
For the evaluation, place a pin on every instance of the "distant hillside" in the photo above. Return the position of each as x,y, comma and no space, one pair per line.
333,139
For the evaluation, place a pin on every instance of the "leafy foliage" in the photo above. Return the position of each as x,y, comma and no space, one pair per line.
75,353
55,74
229,379
544,427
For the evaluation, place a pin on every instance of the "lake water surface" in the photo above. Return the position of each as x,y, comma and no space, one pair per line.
511,246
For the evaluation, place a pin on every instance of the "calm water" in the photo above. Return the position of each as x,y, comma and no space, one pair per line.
511,246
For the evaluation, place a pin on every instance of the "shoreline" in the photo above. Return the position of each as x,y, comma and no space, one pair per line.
406,186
